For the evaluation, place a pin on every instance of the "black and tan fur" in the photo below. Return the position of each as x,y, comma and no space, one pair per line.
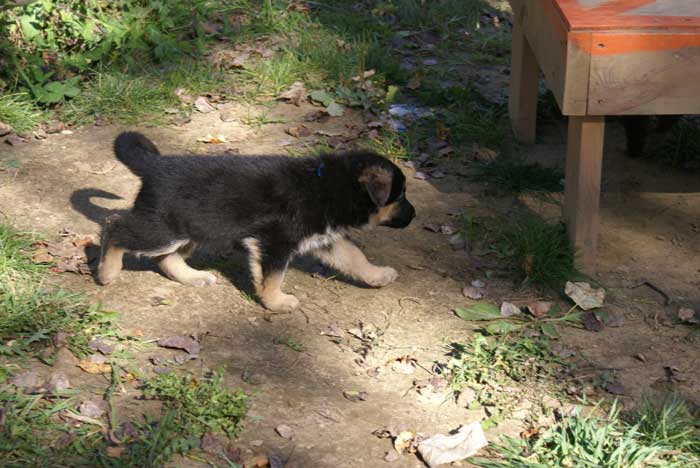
275,207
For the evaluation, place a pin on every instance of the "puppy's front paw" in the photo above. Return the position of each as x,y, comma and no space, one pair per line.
202,279
281,302
381,277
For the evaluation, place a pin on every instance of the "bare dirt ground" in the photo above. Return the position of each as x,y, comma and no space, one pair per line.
650,232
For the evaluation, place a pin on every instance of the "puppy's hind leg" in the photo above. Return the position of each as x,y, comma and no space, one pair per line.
267,269
347,258
110,255
175,268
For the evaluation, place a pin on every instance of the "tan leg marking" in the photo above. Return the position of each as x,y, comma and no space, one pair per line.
272,296
110,264
175,267
347,258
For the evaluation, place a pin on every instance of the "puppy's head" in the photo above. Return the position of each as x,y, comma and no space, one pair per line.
385,185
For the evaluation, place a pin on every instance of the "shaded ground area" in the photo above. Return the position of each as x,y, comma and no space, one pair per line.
303,368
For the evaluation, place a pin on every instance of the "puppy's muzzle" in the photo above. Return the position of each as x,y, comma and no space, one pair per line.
403,217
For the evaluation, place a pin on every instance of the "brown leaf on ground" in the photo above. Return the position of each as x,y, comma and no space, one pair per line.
211,139
355,396
258,461
615,388
202,105
42,256
28,379
688,315
539,309
58,381
92,367
404,442
284,431
484,154
585,296
93,408
299,131
98,344
332,330
14,140
472,293
295,94
180,342
508,309
592,323
210,443
115,452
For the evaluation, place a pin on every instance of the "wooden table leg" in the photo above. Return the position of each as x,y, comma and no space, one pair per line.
524,78
584,159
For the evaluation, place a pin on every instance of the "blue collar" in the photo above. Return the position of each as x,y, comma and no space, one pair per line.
318,169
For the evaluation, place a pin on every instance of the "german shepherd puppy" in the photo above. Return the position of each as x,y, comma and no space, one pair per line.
273,206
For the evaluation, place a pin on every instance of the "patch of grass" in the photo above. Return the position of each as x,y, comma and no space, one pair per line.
32,313
138,96
289,342
490,48
681,146
200,405
589,441
392,145
667,421
511,175
540,252
20,112
486,364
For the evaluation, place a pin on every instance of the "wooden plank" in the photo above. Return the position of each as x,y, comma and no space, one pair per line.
577,75
584,159
649,82
524,78
630,14
546,34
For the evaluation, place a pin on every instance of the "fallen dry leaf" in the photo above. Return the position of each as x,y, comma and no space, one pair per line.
585,296
99,345
210,443
115,452
202,105
258,461
441,449
284,431
421,175
508,309
295,94
484,154
355,396
466,397
58,381
214,140
299,131
332,330
92,367
472,293
686,314
403,443
592,323
13,140
42,256
93,408
28,379
539,309
615,388
180,342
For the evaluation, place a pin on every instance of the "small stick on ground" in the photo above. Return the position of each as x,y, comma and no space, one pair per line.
667,299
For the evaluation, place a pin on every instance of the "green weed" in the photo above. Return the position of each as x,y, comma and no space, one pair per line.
20,112
200,405
290,342
392,145
588,441
540,252
511,175
32,313
667,421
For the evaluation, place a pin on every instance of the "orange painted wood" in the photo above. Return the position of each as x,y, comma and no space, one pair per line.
630,14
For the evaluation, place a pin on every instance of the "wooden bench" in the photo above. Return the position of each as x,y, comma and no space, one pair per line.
601,57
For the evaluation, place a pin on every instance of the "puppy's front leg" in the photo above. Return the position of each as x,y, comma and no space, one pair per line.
347,258
267,272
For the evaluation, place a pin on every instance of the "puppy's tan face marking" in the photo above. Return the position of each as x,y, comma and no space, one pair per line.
383,214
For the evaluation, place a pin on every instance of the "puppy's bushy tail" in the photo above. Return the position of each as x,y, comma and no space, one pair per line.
137,152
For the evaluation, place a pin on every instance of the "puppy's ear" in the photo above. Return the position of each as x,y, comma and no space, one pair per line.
377,181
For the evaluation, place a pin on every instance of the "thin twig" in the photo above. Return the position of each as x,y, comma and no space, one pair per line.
667,299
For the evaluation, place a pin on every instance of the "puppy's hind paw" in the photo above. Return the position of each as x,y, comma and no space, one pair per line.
382,276
281,302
